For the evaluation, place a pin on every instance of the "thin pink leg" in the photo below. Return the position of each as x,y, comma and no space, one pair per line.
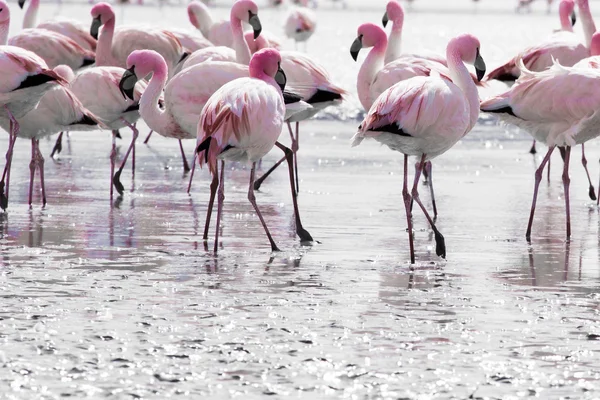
32,166
549,162
186,167
295,148
221,199
407,207
214,185
133,152
440,243
192,172
14,130
148,137
566,185
592,190
429,168
117,176
113,158
40,164
259,181
252,199
538,179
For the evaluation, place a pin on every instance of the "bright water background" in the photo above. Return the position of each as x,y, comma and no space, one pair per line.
124,303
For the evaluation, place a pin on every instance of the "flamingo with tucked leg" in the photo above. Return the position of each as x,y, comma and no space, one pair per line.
425,116
241,122
548,105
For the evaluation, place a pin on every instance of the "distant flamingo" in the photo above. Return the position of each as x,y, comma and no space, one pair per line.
73,29
548,105
241,122
57,110
563,46
114,46
218,32
300,24
425,117
98,89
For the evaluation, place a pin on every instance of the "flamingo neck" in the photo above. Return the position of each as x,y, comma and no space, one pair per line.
30,18
371,66
565,21
589,27
462,78
104,54
204,21
394,46
242,52
4,26
157,119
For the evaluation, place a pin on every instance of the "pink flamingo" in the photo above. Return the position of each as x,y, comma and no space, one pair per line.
300,24
73,29
425,116
548,105
564,46
217,32
115,46
57,110
243,125
98,89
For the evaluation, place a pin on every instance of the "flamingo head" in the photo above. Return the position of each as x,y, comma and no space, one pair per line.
4,13
268,61
101,14
195,10
466,47
247,11
567,7
369,35
257,44
393,12
140,64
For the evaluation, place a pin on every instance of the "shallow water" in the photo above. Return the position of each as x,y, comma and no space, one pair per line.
124,302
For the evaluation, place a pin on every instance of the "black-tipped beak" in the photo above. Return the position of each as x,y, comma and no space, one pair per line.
355,48
385,19
21,3
280,78
255,23
96,24
479,66
573,18
127,83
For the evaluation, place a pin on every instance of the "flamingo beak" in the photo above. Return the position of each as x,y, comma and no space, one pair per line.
385,19
96,24
280,78
479,66
255,23
21,3
127,83
356,46
573,18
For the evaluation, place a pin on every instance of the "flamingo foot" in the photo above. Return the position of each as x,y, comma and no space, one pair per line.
117,182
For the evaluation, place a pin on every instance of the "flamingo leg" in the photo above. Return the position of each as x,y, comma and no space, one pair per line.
538,179
214,185
407,207
186,166
295,150
113,157
428,168
117,176
57,146
133,150
252,200
32,166
300,231
533,150
566,185
192,173
592,190
39,160
12,138
148,137
220,199
260,180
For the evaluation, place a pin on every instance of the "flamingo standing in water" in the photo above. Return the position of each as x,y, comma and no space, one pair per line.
241,122
300,24
425,116
549,106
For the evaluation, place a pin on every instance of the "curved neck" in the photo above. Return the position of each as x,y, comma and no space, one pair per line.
371,66
30,18
156,118
587,21
204,21
462,78
242,52
104,54
565,21
394,46
4,26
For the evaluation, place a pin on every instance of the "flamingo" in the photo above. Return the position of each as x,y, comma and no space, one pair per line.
98,89
425,116
564,46
218,32
300,24
241,122
115,46
549,106
57,110
73,29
